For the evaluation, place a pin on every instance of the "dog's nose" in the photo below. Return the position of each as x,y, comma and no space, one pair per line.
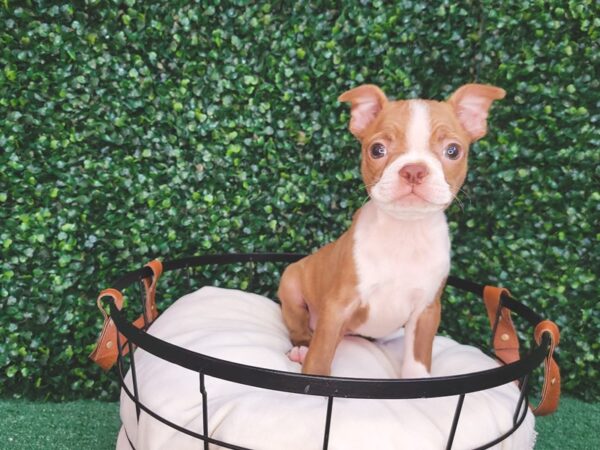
414,173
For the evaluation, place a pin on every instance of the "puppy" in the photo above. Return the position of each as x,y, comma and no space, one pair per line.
389,269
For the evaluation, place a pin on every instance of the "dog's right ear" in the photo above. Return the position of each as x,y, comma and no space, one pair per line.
366,103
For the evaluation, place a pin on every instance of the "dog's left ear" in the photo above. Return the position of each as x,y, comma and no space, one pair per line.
471,103
366,102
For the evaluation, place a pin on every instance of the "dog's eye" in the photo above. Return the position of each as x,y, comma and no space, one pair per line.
452,151
378,151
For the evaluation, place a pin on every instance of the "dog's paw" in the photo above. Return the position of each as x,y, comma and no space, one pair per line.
297,354
414,370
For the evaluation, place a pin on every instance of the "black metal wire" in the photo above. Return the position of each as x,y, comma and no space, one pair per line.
327,422
459,405
173,425
142,289
495,326
466,285
129,439
505,435
522,397
136,392
204,409
329,387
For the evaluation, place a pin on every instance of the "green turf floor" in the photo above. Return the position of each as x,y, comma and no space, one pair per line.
93,425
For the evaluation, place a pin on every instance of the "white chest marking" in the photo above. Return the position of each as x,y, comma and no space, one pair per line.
400,266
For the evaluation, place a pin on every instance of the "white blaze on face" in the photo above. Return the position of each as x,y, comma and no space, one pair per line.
419,128
434,192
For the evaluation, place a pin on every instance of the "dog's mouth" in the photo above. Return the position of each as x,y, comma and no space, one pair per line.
411,199
415,199
410,203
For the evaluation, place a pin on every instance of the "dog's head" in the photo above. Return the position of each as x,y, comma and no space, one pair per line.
414,152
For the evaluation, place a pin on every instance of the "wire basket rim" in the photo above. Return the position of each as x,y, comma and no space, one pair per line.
373,388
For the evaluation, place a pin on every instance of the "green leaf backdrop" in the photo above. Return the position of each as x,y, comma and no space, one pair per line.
140,129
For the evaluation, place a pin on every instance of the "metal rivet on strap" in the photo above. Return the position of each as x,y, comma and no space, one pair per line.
109,344
505,337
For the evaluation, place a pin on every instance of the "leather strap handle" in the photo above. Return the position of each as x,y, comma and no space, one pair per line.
106,352
506,346
551,390
506,342
151,310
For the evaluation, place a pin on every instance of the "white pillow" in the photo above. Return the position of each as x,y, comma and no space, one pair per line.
247,328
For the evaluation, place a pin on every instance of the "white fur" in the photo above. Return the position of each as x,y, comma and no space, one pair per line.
401,242
418,130
400,266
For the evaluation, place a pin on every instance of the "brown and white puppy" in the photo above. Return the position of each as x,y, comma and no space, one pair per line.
389,269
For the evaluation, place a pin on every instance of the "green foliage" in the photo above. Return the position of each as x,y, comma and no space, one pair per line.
133,130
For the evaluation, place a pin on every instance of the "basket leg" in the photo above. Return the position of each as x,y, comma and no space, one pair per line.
143,300
459,406
120,358
204,410
522,397
327,422
134,379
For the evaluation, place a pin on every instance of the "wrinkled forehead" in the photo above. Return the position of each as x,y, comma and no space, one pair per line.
414,123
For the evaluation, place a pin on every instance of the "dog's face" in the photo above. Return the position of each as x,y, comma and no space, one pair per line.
414,152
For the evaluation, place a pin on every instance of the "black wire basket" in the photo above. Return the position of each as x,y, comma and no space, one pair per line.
130,336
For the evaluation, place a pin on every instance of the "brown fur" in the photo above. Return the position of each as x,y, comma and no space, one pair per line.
427,326
305,286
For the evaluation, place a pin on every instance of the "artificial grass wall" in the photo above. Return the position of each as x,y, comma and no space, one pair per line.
132,130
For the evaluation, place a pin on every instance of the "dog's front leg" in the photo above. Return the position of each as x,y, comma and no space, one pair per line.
418,341
328,332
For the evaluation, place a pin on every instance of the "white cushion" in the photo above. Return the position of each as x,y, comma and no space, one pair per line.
248,329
